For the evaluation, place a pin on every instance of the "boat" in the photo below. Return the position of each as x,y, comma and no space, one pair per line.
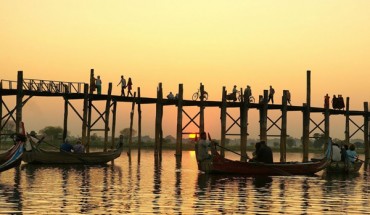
40,156
344,167
13,157
218,164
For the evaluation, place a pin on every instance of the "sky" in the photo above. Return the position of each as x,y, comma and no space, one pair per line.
217,43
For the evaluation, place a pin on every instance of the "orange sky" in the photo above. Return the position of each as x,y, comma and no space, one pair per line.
218,42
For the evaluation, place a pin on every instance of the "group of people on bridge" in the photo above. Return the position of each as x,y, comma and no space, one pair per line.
336,102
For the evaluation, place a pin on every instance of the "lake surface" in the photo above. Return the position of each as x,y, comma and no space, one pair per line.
130,186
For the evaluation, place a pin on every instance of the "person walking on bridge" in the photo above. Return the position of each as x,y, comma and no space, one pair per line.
271,95
123,85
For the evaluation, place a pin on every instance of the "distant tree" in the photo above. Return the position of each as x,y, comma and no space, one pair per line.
358,144
126,133
9,126
52,132
290,142
276,144
94,137
319,140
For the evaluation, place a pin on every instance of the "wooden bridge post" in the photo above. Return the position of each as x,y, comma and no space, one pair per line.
1,109
201,112
179,122
89,113
306,118
263,117
139,122
223,121
92,81
366,131
243,126
158,120
19,102
106,124
346,132
131,124
65,121
84,114
283,130
327,125
114,119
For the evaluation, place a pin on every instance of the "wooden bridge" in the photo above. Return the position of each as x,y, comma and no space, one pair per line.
81,91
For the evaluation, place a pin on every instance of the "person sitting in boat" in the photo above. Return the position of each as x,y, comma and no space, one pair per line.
202,148
351,153
66,146
336,156
263,153
343,152
78,147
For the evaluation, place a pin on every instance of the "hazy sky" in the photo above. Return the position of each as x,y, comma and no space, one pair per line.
219,43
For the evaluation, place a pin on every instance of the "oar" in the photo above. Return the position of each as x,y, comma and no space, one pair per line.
209,137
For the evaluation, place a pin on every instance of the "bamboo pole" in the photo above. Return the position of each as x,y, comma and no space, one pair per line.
19,104
106,124
179,122
223,122
283,130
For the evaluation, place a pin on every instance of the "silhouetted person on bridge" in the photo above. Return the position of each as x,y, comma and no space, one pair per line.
129,87
271,95
123,85
98,84
288,97
326,101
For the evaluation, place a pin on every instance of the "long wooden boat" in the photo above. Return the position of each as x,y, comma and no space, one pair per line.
344,167
219,164
13,157
40,156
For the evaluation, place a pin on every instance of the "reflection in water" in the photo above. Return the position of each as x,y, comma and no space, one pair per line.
170,187
178,196
262,197
157,183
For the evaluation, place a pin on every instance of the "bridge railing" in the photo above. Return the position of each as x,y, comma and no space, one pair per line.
45,86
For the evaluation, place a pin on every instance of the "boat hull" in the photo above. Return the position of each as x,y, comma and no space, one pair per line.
219,164
344,167
54,157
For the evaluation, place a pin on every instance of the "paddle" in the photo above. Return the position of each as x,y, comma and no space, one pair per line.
209,137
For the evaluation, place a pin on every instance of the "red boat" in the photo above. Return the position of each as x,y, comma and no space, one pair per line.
219,164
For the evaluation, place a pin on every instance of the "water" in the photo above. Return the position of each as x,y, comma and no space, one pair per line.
146,187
